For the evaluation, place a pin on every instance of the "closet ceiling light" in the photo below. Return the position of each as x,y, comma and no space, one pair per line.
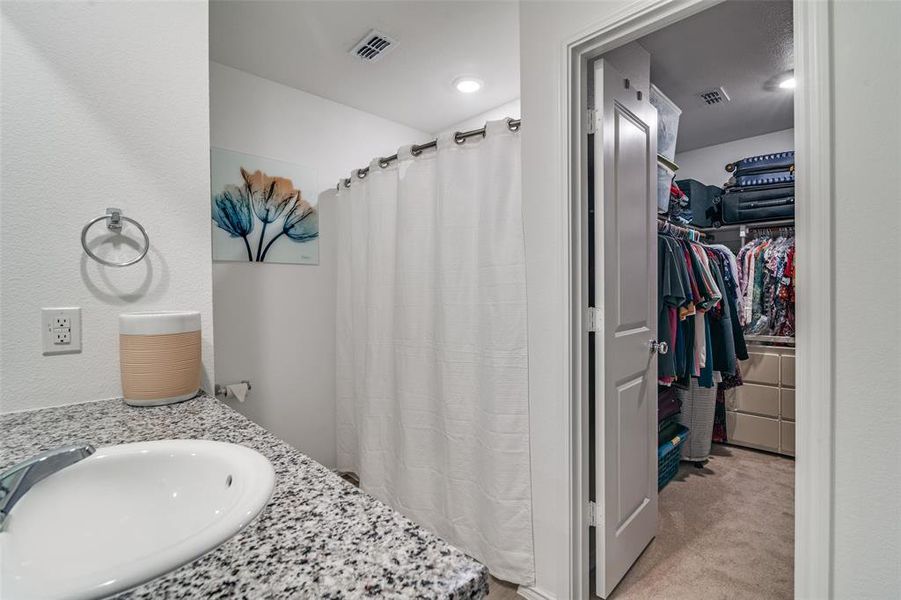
788,83
467,85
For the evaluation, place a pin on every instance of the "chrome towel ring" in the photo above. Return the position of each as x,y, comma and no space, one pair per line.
114,219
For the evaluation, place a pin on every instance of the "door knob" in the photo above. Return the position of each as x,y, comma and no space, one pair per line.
658,347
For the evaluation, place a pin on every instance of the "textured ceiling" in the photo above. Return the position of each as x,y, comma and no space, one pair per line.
741,45
305,45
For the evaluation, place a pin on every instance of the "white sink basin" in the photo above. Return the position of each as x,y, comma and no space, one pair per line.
127,514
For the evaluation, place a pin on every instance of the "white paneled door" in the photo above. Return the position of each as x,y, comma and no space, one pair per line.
625,150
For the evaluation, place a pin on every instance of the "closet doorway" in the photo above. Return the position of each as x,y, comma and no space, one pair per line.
706,374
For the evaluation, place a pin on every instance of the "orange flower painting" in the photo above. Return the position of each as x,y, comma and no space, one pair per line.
260,212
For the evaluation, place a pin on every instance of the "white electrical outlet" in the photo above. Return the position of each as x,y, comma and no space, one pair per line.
61,330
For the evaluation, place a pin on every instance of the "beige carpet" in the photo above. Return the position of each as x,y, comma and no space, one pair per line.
499,589
724,531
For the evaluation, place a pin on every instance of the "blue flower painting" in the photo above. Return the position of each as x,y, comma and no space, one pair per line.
260,210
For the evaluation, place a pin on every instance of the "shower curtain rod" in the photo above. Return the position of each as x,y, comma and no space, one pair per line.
459,137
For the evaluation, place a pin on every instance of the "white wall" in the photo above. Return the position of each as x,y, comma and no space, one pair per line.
544,27
708,164
867,378
103,104
510,109
275,324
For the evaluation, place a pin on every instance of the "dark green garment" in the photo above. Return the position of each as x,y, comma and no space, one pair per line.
671,289
738,336
671,293
720,321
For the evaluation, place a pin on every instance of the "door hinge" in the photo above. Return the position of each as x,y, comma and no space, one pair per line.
592,120
594,515
594,319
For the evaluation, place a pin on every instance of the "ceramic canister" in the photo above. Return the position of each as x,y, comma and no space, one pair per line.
159,356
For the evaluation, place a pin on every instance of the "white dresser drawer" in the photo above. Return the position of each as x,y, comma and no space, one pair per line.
788,438
759,432
788,371
761,367
757,399
788,404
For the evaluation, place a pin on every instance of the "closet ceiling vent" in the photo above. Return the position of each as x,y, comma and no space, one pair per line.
714,96
373,46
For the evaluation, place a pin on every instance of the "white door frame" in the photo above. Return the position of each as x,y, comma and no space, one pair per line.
814,279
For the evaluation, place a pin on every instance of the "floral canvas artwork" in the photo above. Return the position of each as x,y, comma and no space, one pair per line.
262,210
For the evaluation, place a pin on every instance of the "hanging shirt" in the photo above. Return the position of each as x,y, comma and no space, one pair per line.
720,324
705,377
688,272
709,293
730,279
766,272
671,294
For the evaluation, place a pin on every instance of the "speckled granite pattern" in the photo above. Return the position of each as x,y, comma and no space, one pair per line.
319,537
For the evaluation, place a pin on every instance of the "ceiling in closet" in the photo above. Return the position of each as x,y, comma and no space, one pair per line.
743,46
305,45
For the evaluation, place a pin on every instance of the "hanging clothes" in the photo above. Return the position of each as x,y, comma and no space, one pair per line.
767,285
699,304
730,272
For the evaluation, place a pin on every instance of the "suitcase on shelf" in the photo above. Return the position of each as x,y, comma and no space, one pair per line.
762,188
701,200
743,205
779,161
768,178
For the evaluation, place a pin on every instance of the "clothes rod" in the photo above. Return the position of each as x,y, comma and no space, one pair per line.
782,226
669,226
459,137
758,225
776,340
771,224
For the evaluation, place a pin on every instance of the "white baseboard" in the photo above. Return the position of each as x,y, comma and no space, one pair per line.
533,593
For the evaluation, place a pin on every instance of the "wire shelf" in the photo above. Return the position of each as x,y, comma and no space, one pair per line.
750,226
782,340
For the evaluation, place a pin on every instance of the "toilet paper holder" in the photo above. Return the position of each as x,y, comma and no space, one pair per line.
220,390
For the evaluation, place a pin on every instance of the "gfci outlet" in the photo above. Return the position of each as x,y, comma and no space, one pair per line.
61,330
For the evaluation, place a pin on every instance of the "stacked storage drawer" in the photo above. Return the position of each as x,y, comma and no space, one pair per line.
761,413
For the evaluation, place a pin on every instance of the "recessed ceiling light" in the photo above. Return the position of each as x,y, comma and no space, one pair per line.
788,83
467,85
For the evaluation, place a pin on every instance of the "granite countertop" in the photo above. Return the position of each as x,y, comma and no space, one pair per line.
319,537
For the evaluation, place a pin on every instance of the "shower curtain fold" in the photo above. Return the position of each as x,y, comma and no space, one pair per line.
432,386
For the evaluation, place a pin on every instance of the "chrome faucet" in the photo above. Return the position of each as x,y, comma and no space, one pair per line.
18,479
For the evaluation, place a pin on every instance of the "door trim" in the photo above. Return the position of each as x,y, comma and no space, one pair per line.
814,540
814,291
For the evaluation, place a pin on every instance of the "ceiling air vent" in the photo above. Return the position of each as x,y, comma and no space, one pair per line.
714,96
373,46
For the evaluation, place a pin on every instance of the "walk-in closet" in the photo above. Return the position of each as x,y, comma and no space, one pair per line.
721,395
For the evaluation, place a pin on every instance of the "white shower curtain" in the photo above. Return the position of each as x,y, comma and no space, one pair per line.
433,410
